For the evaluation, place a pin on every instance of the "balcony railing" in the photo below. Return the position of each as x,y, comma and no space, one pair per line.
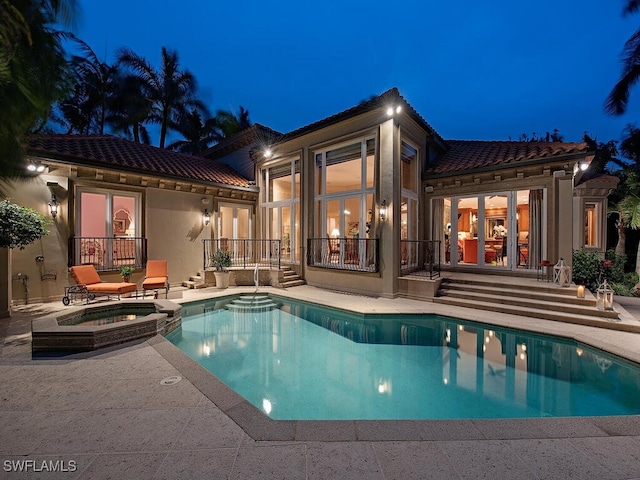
245,253
356,254
108,253
420,257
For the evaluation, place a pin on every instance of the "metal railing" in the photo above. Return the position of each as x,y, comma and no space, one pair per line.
108,253
245,253
355,254
420,257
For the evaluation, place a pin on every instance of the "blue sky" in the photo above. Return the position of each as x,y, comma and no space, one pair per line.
474,70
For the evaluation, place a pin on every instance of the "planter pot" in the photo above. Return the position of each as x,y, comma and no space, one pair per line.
222,279
126,279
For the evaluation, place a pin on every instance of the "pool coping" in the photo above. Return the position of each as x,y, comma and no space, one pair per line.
48,335
260,426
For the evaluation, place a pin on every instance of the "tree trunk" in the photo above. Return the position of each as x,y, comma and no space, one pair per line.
638,260
622,238
5,282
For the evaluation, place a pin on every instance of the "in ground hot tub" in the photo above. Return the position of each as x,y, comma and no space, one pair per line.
92,327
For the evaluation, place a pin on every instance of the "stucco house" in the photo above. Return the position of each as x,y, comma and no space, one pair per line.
356,202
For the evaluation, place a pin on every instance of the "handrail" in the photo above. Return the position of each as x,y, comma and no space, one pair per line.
245,252
354,254
420,257
107,253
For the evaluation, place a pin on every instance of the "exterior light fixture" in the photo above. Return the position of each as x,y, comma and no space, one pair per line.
206,217
268,153
35,167
383,210
584,166
53,205
391,110
604,297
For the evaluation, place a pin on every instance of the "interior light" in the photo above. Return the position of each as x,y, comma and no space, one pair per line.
335,233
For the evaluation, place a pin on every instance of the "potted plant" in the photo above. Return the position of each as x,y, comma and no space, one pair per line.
221,260
125,272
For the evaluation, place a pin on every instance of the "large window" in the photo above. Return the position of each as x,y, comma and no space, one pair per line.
497,230
409,205
344,201
344,190
591,222
281,207
108,228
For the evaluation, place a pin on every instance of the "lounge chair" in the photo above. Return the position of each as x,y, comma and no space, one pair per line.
89,285
156,277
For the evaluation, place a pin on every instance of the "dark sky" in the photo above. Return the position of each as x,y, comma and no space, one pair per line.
474,70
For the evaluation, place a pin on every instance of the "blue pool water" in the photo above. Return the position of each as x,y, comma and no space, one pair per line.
305,362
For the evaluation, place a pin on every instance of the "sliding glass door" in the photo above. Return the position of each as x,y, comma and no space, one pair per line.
501,230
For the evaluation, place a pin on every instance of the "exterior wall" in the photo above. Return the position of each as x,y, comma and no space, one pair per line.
172,223
559,220
35,194
388,136
175,230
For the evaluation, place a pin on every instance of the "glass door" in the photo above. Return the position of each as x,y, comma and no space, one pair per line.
234,228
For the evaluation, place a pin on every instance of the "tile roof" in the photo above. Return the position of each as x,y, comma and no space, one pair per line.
469,155
380,101
106,151
256,134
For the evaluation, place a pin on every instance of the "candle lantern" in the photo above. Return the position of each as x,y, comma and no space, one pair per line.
561,273
580,291
604,297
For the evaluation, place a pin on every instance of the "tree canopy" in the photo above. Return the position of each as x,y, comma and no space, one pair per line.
20,226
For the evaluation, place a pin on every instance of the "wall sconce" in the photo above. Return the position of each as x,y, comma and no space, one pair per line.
383,210
53,206
206,217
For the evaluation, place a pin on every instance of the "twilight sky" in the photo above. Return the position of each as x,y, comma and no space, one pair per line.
474,70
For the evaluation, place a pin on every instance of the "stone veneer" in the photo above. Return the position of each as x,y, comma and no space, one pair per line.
50,334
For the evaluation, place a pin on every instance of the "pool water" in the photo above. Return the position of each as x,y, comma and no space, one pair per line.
306,362
108,316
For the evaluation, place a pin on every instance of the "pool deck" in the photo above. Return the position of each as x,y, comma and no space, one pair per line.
106,414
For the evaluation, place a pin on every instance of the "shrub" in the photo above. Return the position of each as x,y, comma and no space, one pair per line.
20,226
221,260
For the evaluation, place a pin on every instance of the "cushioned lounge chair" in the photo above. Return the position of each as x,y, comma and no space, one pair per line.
89,285
156,277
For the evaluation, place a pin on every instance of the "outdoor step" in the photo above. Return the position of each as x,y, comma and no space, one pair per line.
293,283
539,313
556,305
192,284
532,286
555,294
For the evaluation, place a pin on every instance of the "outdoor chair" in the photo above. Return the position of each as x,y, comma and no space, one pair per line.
156,277
89,285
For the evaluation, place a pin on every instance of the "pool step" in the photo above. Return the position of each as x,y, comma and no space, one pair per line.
252,303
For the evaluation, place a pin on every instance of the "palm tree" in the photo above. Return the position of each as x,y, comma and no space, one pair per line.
170,91
229,123
86,110
130,109
198,134
616,103
33,71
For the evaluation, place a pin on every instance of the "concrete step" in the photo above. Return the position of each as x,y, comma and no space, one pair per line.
496,283
555,294
252,303
542,313
193,284
293,283
556,304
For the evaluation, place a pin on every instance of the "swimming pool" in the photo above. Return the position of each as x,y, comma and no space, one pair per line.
305,362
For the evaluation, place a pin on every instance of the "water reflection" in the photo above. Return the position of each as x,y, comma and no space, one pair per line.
400,366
